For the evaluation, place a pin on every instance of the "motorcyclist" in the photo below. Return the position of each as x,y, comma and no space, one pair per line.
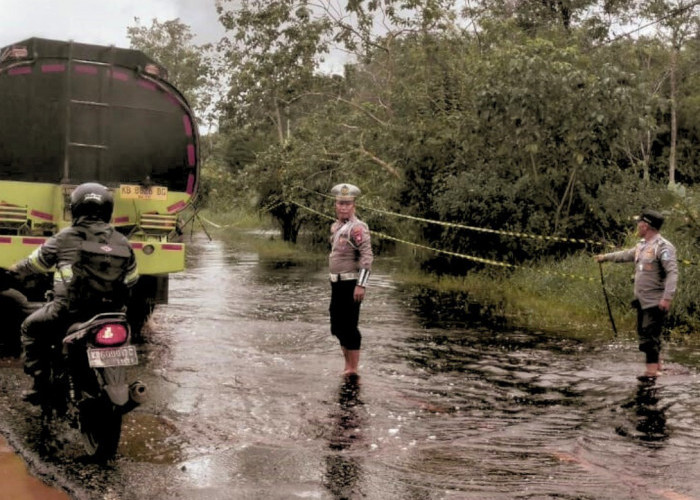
91,206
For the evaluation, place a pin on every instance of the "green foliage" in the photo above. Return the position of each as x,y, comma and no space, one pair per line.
682,228
521,140
189,66
271,56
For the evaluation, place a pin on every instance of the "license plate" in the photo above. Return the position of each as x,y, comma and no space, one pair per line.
112,356
136,192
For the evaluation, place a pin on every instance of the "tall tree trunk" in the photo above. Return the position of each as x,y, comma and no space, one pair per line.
674,124
646,155
278,121
290,230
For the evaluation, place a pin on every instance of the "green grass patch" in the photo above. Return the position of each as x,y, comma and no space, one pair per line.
270,247
556,296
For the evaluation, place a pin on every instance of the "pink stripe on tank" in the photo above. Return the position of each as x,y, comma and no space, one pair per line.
53,68
24,70
119,75
188,125
85,69
147,85
191,160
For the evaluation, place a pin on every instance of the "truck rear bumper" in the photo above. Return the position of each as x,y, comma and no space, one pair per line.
15,248
151,257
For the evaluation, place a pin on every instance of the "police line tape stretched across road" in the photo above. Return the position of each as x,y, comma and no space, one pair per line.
472,228
485,230
446,252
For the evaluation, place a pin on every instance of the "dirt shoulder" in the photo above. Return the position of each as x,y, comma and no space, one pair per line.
17,483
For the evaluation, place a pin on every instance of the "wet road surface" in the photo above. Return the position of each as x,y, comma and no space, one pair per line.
247,402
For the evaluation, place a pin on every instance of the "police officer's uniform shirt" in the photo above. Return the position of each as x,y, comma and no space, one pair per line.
656,270
350,247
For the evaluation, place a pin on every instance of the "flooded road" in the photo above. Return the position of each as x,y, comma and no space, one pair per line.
247,402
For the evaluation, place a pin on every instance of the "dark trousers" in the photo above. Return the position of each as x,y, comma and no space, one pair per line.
345,314
42,328
650,324
16,309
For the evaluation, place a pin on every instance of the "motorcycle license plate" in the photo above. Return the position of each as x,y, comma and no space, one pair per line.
112,356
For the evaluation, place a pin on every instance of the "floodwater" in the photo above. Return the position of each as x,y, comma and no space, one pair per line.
247,402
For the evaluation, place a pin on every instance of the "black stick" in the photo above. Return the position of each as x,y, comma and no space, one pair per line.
607,302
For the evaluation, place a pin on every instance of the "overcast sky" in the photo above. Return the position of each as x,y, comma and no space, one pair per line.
101,22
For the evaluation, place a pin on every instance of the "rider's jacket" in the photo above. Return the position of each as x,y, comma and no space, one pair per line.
60,252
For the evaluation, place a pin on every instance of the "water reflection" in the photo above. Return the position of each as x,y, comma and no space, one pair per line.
649,414
343,469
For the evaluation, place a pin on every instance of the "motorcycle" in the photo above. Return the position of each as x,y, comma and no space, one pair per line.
87,373
88,381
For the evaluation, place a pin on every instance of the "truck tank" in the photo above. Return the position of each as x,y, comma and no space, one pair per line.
73,113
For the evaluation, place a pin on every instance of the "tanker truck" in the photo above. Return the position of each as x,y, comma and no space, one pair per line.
73,113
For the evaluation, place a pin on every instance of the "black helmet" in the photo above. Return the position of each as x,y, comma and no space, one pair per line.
92,200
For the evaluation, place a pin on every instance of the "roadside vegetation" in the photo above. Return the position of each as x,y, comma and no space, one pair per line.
553,119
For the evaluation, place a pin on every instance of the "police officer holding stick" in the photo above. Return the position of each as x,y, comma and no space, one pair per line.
350,264
655,279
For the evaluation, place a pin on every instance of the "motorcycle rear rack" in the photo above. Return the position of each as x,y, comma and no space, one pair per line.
79,330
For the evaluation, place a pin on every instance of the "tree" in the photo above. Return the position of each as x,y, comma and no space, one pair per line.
482,121
677,21
271,52
512,133
190,67
271,55
592,20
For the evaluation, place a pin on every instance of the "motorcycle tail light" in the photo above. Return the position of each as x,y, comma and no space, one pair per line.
111,334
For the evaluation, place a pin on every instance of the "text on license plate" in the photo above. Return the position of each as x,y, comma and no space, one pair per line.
136,192
113,356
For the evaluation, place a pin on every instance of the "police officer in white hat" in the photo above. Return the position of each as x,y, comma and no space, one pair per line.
350,264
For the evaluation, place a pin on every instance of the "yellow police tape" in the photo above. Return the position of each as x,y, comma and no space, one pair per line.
446,252
487,230
472,228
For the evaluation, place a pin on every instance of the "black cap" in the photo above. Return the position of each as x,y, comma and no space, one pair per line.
653,218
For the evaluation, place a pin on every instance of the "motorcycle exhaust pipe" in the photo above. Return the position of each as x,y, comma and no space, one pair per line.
137,395
138,392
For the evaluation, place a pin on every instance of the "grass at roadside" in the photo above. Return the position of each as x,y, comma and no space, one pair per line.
555,296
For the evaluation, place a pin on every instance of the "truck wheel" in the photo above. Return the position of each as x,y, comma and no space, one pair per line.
138,314
149,291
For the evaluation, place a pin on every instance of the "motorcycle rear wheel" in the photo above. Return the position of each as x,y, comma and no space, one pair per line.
100,427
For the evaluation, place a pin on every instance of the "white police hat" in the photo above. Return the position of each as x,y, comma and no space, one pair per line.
345,192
